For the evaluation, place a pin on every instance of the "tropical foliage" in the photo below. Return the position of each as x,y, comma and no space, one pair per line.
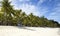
13,17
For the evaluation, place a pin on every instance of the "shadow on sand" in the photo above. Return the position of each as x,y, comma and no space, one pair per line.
21,27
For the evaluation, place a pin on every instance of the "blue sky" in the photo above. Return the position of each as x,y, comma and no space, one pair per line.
48,8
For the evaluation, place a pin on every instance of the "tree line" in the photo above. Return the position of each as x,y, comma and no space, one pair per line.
12,17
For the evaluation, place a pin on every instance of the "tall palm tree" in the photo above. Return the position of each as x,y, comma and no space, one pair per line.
7,9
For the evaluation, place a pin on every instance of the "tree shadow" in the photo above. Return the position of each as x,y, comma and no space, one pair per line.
22,27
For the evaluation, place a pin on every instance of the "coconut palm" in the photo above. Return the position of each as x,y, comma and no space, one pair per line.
7,9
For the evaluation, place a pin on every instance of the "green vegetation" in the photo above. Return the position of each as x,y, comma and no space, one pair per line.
10,16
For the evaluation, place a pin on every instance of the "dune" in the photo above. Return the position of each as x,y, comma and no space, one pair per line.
28,31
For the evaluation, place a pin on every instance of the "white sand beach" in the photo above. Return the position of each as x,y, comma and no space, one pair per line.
28,31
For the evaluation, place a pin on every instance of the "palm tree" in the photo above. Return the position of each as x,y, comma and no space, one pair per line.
18,16
7,9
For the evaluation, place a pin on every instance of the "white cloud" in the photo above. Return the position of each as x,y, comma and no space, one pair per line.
29,9
40,2
0,0
23,0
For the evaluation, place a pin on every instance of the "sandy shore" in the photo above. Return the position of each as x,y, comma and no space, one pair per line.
28,31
